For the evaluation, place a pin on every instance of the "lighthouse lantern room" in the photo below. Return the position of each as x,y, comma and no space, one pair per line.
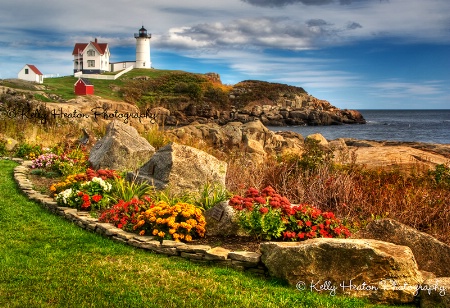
143,49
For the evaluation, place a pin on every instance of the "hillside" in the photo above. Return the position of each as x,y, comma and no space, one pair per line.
185,97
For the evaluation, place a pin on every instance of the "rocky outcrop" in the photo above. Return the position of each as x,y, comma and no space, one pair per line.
273,104
252,138
435,293
122,148
431,255
182,169
380,271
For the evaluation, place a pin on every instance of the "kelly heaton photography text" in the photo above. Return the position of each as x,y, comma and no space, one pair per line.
333,288
44,115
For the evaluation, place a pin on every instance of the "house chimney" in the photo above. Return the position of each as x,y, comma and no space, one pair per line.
96,40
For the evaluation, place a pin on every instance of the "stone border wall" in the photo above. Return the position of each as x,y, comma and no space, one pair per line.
240,260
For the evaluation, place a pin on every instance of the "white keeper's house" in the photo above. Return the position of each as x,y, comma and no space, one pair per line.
93,57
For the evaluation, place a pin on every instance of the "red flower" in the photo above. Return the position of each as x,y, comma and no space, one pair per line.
301,235
260,200
86,204
263,210
308,223
96,198
85,197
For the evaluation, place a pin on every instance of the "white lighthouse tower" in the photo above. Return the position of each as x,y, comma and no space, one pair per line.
143,49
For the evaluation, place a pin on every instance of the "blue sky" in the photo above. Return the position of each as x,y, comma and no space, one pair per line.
357,54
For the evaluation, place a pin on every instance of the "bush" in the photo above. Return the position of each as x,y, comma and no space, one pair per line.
28,151
267,215
182,221
72,162
124,215
91,195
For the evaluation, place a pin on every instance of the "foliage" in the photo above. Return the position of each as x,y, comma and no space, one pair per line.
441,175
28,151
267,214
182,221
124,214
3,150
127,190
209,195
156,137
314,155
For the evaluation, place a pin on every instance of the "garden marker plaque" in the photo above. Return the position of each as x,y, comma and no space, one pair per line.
216,213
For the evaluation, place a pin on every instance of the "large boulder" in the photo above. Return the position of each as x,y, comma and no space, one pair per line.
431,255
221,220
182,168
381,271
435,293
122,148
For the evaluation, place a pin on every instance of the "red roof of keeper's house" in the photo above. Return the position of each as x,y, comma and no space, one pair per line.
35,69
79,47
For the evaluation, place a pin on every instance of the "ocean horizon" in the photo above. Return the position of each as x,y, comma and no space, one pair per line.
414,125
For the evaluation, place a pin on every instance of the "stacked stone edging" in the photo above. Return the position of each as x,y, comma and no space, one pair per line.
241,260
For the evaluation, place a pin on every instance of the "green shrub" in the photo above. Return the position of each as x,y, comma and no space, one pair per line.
28,151
267,215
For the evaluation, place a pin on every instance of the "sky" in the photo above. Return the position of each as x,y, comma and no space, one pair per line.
357,54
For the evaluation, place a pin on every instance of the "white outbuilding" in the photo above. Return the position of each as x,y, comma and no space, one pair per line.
31,73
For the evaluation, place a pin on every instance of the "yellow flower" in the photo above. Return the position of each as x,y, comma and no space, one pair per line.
142,232
172,231
155,232
188,238
161,234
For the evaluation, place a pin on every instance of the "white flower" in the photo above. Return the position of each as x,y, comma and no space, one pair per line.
62,196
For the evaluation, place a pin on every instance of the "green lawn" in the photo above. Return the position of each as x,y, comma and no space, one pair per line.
46,261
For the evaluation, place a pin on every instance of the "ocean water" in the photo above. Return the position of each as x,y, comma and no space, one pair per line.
432,126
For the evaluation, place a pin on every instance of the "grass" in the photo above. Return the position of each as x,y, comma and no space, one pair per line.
46,261
63,86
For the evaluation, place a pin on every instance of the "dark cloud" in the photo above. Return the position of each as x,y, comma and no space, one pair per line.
281,3
316,23
353,25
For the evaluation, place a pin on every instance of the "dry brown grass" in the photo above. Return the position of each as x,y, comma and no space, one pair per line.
354,194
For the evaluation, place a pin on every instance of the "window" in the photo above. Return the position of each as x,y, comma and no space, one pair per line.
26,71
91,63
91,52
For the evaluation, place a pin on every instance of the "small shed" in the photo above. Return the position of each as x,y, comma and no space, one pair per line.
31,73
83,87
